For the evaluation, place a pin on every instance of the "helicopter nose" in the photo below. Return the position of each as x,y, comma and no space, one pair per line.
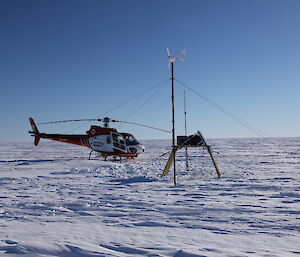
140,148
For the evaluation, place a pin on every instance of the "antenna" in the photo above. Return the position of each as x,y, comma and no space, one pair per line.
185,130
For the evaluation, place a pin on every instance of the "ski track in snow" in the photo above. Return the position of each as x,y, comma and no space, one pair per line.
55,202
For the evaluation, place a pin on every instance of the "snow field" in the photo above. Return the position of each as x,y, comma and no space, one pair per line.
55,202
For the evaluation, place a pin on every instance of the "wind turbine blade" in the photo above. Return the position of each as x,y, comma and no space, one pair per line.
170,58
182,55
168,51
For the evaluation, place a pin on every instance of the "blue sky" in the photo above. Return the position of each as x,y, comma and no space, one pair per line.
77,59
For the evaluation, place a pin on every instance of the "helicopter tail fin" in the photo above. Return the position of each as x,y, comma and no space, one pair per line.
35,132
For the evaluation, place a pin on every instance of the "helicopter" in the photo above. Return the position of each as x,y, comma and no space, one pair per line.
104,140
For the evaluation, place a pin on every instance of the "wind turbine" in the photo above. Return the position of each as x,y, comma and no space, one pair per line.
171,60
200,142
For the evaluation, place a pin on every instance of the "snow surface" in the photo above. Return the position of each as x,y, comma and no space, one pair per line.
53,201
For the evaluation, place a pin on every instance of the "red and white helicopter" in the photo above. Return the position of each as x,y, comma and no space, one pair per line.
104,140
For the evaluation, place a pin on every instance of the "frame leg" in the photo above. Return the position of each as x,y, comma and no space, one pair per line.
213,161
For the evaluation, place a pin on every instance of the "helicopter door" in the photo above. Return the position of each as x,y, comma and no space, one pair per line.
118,142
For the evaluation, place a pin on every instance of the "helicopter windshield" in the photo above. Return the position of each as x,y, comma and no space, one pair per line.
130,140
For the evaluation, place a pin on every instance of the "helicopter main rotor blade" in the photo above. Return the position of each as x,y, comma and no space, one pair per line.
142,125
61,121
109,120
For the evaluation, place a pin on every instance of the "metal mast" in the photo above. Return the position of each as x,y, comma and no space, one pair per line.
171,60
173,122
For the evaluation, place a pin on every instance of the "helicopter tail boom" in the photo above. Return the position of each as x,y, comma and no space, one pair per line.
35,132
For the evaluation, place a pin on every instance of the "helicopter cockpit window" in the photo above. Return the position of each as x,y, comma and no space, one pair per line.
115,137
130,140
118,138
118,141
